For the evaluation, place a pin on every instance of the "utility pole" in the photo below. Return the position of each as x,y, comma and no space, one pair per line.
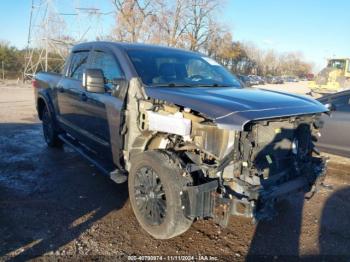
49,40
3,70
46,42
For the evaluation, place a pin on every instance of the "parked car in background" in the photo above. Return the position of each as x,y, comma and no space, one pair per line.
257,80
279,80
253,80
270,80
291,79
274,80
261,80
245,80
335,138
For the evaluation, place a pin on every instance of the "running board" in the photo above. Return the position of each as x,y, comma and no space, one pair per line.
116,175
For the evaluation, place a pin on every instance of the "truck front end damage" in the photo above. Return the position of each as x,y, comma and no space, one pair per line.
268,161
230,171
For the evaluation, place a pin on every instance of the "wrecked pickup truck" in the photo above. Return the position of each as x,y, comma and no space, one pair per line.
191,141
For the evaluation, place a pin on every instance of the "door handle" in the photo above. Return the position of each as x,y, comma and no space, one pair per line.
83,97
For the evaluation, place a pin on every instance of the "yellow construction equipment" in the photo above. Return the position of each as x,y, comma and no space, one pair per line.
335,77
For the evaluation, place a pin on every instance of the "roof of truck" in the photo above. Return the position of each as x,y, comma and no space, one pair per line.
128,46
339,58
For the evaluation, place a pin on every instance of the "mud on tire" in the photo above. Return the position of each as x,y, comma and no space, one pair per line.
155,184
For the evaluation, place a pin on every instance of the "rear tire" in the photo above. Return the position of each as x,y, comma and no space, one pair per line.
49,130
155,186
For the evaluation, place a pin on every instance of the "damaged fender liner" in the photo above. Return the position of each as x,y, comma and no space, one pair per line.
199,201
203,201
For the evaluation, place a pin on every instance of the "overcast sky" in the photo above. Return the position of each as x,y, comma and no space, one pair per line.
317,28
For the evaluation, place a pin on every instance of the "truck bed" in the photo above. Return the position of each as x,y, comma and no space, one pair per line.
47,79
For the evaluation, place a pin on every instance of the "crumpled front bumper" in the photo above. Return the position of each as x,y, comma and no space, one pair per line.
204,201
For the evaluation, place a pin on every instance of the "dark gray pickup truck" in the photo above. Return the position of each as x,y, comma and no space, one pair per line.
191,141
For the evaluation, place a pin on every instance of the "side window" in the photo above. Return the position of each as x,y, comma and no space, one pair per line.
108,64
78,64
342,102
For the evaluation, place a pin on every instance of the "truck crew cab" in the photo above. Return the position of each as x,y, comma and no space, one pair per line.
191,141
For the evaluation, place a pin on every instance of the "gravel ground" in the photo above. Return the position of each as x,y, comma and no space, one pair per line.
54,205
300,88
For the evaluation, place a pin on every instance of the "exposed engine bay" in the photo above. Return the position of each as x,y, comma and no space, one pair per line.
230,172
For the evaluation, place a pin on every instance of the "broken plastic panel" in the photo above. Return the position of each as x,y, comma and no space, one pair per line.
173,124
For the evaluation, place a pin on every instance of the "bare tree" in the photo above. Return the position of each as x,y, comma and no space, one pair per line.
132,16
200,18
271,63
192,24
213,42
256,55
172,22
181,23
293,63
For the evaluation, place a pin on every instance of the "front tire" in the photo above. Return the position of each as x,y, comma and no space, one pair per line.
155,187
49,130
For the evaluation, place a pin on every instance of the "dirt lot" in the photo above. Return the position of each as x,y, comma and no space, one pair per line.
300,88
55,205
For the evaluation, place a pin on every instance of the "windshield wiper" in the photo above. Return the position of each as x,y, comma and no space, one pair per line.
171,85
211,85
189,85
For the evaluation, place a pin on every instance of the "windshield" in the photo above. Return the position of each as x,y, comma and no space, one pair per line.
339,64
178,68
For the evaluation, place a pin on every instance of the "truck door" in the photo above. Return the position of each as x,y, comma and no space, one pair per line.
70,94
102,111
335,133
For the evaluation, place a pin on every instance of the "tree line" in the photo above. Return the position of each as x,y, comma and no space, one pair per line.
193,25
188,24
12,61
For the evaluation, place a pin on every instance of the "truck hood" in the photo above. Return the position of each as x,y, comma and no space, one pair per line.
232,108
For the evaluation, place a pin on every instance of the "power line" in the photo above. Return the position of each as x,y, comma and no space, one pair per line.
48,34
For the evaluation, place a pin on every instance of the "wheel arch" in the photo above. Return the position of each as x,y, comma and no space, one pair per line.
42,103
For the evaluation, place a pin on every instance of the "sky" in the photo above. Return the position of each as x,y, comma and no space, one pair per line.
319,29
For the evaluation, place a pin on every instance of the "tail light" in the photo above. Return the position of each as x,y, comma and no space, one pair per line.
35,83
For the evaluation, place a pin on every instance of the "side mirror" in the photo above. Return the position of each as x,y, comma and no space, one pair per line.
93,81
